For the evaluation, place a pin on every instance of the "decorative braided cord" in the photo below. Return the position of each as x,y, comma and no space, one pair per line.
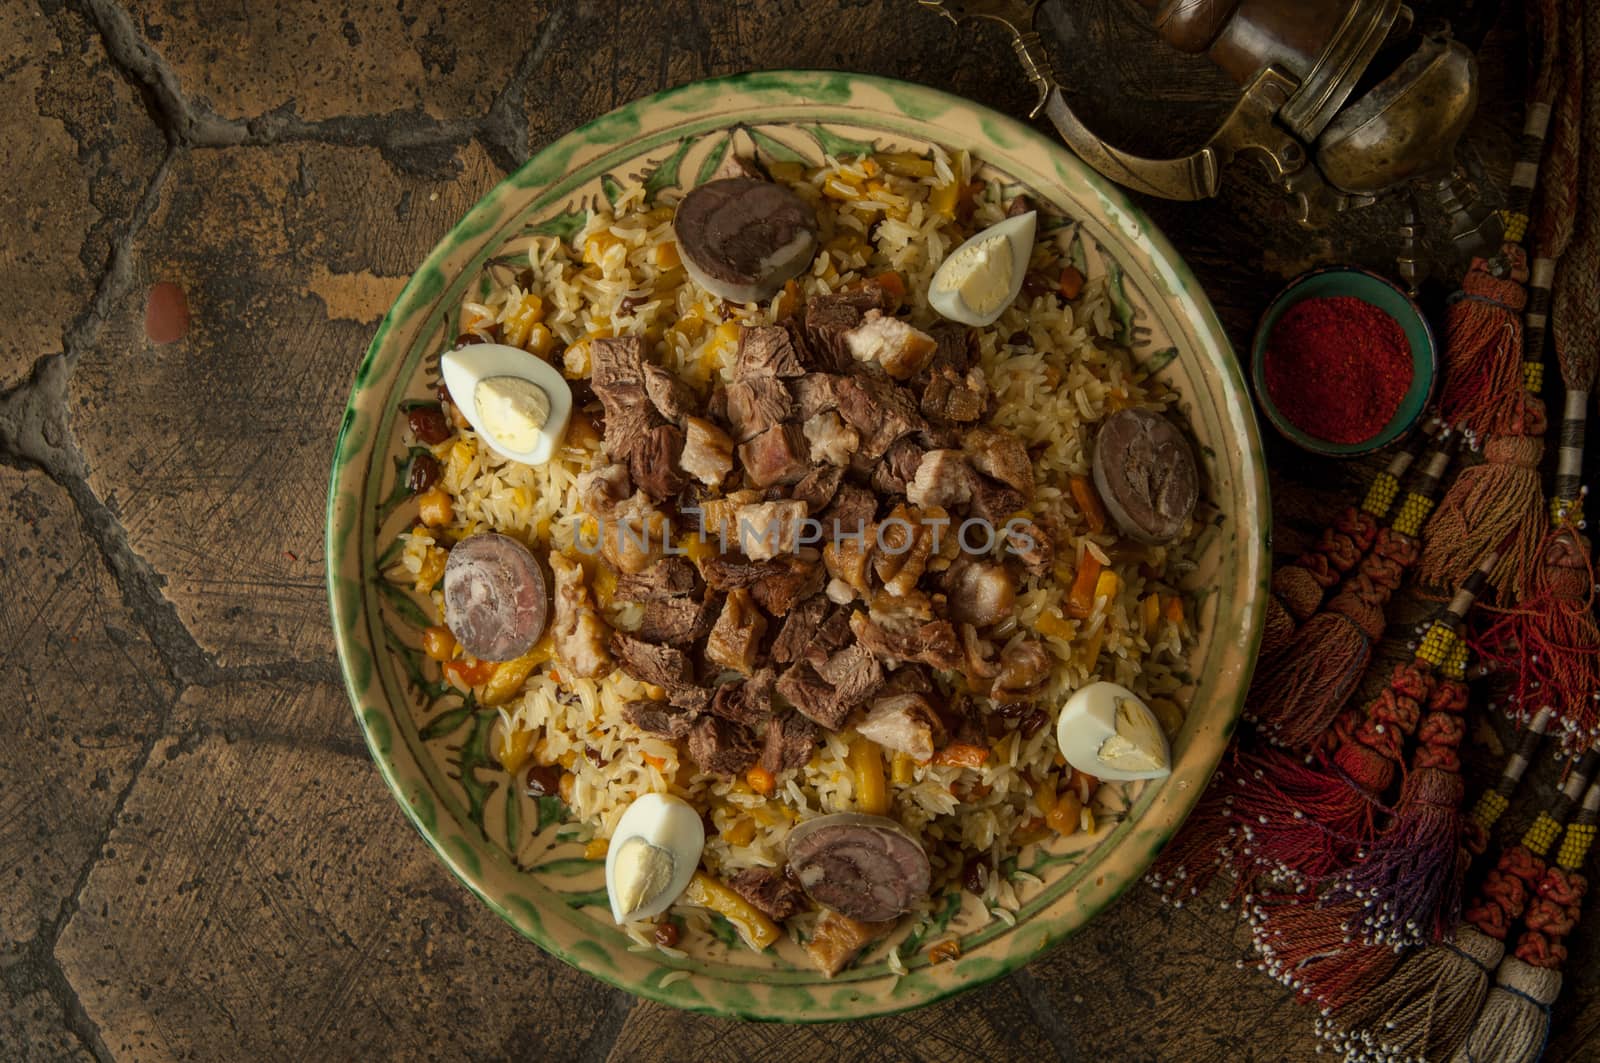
1385,486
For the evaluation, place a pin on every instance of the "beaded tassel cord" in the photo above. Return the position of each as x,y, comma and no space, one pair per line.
1515,1021
1426,1008
1295,698
1498,502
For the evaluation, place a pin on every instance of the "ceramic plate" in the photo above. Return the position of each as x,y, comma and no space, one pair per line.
518,854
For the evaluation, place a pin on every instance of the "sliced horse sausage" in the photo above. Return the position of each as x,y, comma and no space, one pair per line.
866,867
495,602
741,238
1146,476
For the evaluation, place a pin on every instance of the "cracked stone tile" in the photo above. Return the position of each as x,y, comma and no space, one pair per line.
77,149
261,901
992,1022
214,451
85,694
31,1027
366,57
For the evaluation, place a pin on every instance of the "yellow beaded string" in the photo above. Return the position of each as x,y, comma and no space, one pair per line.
1413,514
1381,494
1575,845
1515,223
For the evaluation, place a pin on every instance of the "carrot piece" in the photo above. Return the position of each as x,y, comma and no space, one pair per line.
438,643
1072,279
945,952
761,780
465,673
658,763
892,282
961,755
1080,600
1174,611
1088,500
1152,611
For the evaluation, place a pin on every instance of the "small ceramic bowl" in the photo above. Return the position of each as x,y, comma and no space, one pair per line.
1386,296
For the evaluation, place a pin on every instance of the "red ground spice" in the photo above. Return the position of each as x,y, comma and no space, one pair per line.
1337,368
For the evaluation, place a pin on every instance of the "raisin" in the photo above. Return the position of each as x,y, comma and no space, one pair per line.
595,756
1033,720
630,303
975,876
442,393
543,780
467,339
428,424
666,934
424,473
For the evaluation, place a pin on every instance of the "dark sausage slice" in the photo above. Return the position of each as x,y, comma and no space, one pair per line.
866,867
1146,476
495,602
741,238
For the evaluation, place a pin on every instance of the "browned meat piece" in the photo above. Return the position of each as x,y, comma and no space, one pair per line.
830,316
718,521
653,463
1001,455
897,469
755,404
942,478
933,642
577,632
790,579
602,490
722,746
667,578
717,404
674,399
735,639
1029,544
633,535
837,940
789,742
770,891
676,621
660,666
979,593
854,674
764,530
889,342
741,238
832,635
877,408
658,718
852,510
745,701
616,360
707,451
830,439
993,502
906,537
956,347
812,696
1024,668
866,867
776,456
848,561
953,396
799,627
815,393
617,377
767,350
727,572
907,679
495,601
817,489
905,723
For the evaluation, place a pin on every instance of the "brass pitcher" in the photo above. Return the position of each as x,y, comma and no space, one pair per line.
1300,63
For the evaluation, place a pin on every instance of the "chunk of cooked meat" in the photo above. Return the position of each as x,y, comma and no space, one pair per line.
789,742
755,404
979,593
815,393
653,463
722,746
745,701
765,530
812,696
905,544
728,572
833,634
658,718
766,350
740,238
790,578
668,578
898,468
837,939
890,342
993,501
767,889
799,627
905,723
617,377
601,490
672,398
818,487
615,360
848,561
850,513
660,666
718,517
776,456
633,534
866,867
1000,454
878,409
932,642
1024,668
956,347
831,440
953,396
942,478
854,674
907,679
735,639
577,631
829,316
707,451
1030,544
676,621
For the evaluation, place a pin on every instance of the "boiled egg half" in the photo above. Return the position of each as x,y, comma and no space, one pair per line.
519,403
1104,730
653,855
982,277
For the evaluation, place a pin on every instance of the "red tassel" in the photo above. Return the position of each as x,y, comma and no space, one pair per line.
1483,340
1307,946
